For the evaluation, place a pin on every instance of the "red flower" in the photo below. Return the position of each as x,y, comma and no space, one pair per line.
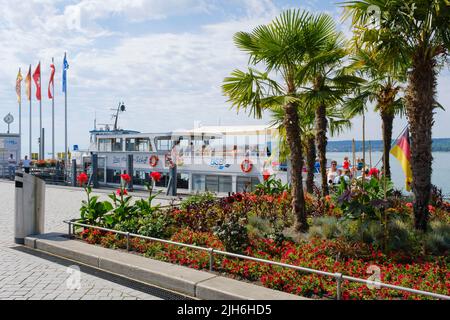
126,178
409,205
156,176
374,172
82,178
266,175
121,192
431,209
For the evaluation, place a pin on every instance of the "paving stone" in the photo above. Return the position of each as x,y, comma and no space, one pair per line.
24,275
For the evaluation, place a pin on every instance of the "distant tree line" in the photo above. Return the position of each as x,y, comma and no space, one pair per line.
439,145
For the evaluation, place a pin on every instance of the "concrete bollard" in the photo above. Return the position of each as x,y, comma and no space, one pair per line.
29,206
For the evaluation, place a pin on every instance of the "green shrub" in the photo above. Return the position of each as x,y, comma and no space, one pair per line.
232,231
158,225
325,227
437,240
258,227
130,225
198,199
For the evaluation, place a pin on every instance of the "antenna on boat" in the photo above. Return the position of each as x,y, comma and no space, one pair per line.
120,108
95,120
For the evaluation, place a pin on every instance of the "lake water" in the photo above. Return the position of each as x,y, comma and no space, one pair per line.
441,167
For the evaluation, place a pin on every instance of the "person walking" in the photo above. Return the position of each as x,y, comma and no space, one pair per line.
12,166
26,164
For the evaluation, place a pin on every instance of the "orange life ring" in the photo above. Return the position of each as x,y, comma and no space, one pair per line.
153,161
246,166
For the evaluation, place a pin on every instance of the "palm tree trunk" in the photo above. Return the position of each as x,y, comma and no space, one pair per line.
321,141
419,104
293,138
387,125
310,162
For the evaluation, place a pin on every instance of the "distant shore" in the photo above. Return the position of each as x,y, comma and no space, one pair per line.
439,145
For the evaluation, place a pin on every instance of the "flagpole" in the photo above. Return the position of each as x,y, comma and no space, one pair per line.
20,111
31,140
41,155
53,114
66,158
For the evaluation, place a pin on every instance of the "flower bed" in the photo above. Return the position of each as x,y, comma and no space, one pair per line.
432,276
259,224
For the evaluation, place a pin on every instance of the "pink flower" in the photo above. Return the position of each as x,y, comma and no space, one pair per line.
409,205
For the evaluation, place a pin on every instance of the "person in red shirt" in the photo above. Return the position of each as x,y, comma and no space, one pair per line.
346,164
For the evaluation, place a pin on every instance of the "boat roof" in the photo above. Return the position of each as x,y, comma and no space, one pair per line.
226,130
208,130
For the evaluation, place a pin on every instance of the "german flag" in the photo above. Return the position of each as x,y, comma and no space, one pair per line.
402,151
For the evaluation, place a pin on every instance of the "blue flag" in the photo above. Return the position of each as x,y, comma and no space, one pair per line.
64,75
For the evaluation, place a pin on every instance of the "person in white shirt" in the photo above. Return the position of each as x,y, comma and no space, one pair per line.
332,173
26,164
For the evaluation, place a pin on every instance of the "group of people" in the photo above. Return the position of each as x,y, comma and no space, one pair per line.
335,175
12,165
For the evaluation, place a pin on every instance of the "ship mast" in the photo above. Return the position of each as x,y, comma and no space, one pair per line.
120,108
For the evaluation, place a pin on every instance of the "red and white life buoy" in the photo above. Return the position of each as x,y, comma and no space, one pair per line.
154,161
246,166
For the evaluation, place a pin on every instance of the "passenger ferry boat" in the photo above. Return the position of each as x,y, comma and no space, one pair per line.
219,159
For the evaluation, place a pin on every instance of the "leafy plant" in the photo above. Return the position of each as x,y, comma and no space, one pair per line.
92,211
123,211
272,186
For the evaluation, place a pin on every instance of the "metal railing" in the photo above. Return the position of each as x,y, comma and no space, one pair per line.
339,277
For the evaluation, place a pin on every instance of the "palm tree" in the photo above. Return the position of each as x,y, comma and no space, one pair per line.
280,47
327,81
416,31
337,123
382,88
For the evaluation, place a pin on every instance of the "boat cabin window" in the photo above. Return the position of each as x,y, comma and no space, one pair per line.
138,144
108,145
117,144
104,145
164,144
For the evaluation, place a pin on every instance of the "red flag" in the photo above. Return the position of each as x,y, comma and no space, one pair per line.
37,81
50,83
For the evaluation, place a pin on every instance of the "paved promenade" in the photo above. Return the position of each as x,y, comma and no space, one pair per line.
25,274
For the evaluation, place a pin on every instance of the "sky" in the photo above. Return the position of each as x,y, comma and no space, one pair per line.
165,59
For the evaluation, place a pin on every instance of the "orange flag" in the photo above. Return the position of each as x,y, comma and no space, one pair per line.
28,84
19,86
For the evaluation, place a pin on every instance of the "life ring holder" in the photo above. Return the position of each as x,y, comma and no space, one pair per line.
153,161
246,166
